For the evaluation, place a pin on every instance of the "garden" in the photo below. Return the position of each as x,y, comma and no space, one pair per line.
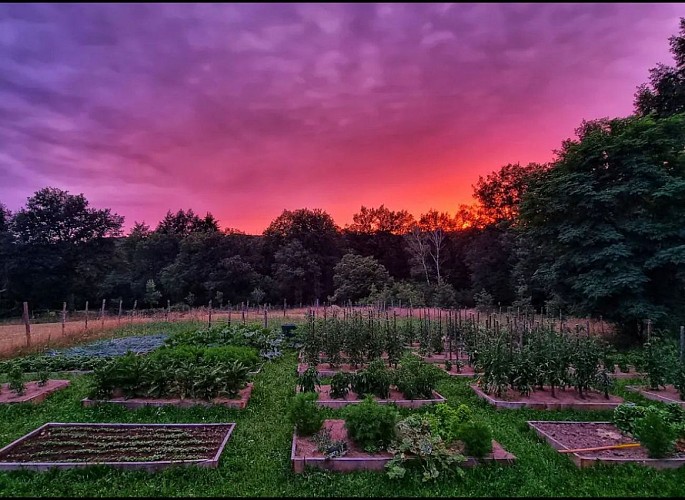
285,442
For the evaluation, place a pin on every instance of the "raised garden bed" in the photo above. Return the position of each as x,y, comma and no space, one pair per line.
583,435
442,357
567,399
119,346
134,403
325,399
325,370
465,371
668,395
33,393
304,454
126,446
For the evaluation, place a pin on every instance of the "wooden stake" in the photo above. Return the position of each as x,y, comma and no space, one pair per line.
209,321
86,315
27,324
119,315
64,318
600,448
102,313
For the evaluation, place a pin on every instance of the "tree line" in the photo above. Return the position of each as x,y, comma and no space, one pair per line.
597,231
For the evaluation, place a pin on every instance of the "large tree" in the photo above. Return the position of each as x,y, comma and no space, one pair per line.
355,276
664,95
608,217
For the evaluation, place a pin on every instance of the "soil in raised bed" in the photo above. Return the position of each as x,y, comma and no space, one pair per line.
32,391
561,396
119,444
574,435
669,392
324,392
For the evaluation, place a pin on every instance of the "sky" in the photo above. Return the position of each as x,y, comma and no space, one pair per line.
245,110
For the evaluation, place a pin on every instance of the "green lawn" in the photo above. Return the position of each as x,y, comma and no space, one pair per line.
256,460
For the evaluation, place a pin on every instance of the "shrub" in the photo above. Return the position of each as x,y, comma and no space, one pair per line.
371,425
305,414
415,378
16,380
43,376
448,420
379,378
625,415
659,360
340,385
655,434
309,380
477,438
415,443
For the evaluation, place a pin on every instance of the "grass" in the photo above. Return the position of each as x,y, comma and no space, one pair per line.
256,460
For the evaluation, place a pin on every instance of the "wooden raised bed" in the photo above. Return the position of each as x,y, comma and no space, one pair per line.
396,397
134,403
668,395
114,444
583,435
304,454
542,400
33,393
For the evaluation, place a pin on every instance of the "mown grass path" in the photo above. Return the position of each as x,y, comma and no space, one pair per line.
256,461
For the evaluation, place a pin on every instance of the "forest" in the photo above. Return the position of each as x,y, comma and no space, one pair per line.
598,231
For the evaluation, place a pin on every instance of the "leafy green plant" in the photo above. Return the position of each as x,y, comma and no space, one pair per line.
309,380
415,378
329,447
340,385
679,380
655,434
448,365
371,425
658,359
416,444
43,377
15,377
305,414
448,420
477,438
603,382
379,378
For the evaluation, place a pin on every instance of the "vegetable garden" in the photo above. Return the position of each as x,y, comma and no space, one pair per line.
458,445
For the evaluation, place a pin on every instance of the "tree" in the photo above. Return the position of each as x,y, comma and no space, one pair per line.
607,220
257,295
665,94
354,277
500,192
184,223
381,219
52,216
297,273
152,295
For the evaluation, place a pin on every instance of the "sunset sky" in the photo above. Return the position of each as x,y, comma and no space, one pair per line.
246,110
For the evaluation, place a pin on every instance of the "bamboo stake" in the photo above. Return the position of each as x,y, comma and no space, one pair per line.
600,448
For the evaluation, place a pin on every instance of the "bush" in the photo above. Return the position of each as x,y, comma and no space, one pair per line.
309,380
447,421
340,385
477,438
371,425
655,434
16,380
415,378
305,414
416,444
379,379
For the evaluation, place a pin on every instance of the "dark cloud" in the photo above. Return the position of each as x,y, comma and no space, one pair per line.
246,109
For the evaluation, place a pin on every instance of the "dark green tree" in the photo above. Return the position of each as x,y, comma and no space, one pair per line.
354,277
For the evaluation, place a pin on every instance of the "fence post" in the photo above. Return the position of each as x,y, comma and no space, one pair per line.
27,324
64,318
284,308
682,342
266,320
135,304
102,313
210,313
86,315
119,316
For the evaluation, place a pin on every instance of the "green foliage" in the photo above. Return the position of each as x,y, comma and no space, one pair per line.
656,434
371,425
309,380
448,365
484,300
659,360
152,295
416,444
448,421
679,380
43,377
329,447
15,377
378,379
477,438
355,275
305,414
415,378
340,385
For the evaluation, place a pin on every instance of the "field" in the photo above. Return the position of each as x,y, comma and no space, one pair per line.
256,460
